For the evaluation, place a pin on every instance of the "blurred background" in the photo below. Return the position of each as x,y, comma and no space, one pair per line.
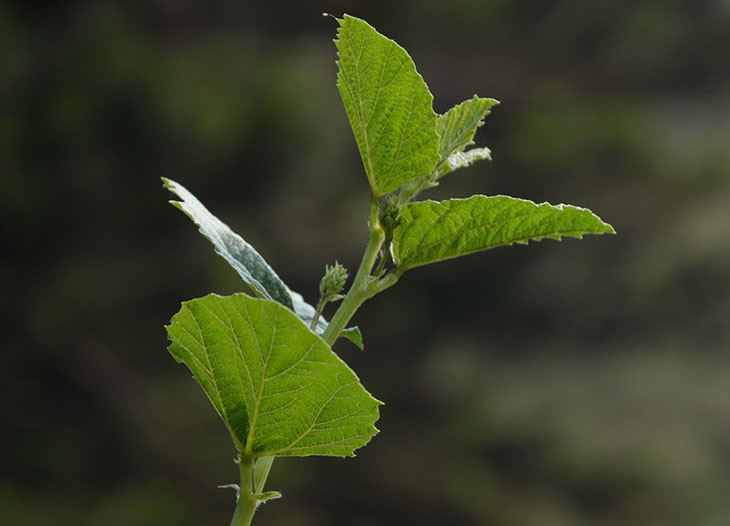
558,384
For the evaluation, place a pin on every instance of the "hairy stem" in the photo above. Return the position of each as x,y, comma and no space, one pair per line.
318,312
247,502
365,286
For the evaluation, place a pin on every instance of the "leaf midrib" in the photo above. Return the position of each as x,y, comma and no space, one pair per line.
238,347
264,366
360,101
356,91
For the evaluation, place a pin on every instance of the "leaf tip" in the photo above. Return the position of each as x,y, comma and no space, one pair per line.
169,184
355,336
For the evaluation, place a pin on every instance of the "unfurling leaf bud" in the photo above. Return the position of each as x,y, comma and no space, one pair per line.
333,281
390,213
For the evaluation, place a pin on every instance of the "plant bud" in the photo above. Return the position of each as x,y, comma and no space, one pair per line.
333,281
390,213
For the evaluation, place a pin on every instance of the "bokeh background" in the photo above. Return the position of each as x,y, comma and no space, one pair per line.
558,384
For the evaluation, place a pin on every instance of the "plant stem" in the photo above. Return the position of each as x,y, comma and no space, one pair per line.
247,502
318,312
364,286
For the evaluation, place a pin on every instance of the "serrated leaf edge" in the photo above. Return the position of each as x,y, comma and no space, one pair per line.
557,236
380,190
252,419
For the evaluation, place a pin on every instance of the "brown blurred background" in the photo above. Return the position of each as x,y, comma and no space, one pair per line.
559,384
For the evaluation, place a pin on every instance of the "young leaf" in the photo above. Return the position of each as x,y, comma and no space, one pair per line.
249,264
433,231
463,159
389,106
456,129
277,386
354,335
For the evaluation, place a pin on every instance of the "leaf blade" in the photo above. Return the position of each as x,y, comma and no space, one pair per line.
245,260
457,128
388,104
276,385
432,231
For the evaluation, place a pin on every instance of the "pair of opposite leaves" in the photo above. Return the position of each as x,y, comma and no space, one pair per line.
275,383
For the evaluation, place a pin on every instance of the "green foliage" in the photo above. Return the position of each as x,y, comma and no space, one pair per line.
276,385
265,363
456,129
389,106
250,265
433,231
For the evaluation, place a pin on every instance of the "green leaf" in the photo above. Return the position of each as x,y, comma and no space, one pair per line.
354,335
458,126
456,129
433,231
463,159
278,387
389,106
249,264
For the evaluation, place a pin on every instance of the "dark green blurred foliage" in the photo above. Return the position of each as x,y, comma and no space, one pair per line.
552,385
